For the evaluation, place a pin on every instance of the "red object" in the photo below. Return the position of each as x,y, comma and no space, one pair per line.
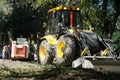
20,51
71,19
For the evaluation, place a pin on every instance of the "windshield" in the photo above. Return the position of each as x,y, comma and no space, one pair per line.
68,19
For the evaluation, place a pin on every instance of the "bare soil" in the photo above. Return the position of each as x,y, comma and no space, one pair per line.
25,70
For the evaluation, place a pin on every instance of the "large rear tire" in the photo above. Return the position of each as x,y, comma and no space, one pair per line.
65,50
45,53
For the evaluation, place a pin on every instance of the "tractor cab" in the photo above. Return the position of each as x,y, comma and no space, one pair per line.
63,17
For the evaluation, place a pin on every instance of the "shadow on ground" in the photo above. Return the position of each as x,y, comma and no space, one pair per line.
62,73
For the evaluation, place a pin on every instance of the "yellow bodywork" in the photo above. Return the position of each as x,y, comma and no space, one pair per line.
84,51
71,30
42,52
64,8
59,49
50,39
105,52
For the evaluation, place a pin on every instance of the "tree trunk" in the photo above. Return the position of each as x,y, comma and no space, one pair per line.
116,15
104,13
110,28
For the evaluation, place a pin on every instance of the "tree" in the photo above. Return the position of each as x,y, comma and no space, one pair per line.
27,17
116,15
104,15
111,11
5,11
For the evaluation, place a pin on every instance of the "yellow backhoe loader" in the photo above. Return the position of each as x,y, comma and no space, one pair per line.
66,40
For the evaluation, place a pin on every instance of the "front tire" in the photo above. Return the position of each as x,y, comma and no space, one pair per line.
45,53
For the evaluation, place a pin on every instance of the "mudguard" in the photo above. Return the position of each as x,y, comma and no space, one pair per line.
50,39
